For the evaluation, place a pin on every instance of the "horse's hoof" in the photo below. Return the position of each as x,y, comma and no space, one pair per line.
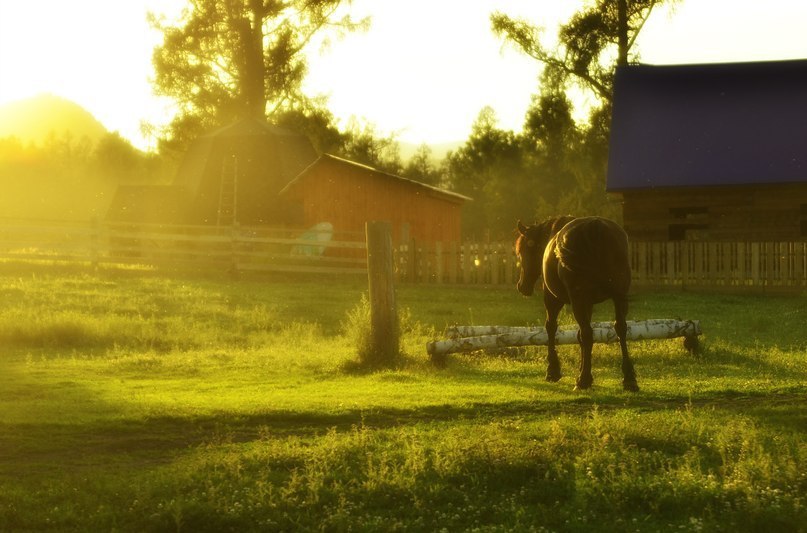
553,378
630,386
692,345
584,381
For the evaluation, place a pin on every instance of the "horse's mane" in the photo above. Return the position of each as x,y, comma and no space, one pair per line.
555,223
543,231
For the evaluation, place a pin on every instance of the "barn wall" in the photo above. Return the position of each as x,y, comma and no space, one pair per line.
717,213
348,196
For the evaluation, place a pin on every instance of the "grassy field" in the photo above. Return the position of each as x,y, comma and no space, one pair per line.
134,401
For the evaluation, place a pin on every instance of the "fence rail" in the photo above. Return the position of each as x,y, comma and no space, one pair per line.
235,248
682,264
726,265
731,266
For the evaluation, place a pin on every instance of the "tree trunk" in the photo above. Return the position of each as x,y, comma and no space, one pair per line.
253,70
622,29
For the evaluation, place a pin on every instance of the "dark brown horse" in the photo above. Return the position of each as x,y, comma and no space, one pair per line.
583,261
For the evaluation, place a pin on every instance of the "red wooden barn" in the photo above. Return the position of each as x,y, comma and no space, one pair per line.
348,194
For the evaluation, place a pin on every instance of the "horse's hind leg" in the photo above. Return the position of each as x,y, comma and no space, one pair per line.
553,307
621,328
582,309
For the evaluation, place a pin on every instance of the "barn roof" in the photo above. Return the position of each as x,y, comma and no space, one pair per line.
282,153
325,159
709,125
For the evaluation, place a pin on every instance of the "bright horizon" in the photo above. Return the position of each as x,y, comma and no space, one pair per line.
411,74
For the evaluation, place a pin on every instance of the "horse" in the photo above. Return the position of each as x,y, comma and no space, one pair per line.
582,261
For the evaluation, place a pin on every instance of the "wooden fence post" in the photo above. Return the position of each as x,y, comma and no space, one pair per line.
412,258
508,265
467,262
670,275
439,262
493,253
798,263
95,238
384,345
453,259
755,264
769,264
235,232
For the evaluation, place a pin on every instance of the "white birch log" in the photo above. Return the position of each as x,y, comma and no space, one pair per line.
454,332
472,338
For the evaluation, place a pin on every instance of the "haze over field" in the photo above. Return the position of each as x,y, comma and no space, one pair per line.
420,72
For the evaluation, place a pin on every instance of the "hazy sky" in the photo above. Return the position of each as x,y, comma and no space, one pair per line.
424,70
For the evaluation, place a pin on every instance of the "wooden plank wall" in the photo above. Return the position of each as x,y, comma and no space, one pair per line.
727,213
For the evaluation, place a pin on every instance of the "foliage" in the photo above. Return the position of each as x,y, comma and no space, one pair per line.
135,402
316,123
357,330
361,143
588,43
422,167
64,156
226,60
490,168
555,165
70,178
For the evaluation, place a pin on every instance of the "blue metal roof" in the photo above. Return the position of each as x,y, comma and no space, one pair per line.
709,125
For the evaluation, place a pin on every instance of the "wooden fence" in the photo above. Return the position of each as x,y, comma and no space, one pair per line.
730,266
233,248
765,266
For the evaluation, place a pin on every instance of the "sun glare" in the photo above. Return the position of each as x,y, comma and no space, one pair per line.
424,69
94,52
417,70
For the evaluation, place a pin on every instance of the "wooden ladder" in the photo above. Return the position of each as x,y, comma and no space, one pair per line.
228,203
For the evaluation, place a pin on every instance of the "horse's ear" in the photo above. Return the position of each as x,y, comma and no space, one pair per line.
522,229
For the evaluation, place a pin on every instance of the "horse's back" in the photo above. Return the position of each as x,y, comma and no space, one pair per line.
595,251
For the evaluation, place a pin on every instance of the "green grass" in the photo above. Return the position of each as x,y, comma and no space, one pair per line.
134,401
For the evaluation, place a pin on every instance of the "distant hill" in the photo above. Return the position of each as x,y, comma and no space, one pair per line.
33,119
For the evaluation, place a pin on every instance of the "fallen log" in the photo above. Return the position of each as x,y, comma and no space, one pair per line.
473,338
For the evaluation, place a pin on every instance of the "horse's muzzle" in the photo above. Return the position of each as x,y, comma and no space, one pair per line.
527,289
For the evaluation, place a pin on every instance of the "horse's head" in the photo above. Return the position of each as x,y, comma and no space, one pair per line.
530,245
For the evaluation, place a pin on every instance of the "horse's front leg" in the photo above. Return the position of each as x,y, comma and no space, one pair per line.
621,328
553,307
582,314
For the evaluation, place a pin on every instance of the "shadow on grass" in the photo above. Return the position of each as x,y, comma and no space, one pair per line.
158,440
